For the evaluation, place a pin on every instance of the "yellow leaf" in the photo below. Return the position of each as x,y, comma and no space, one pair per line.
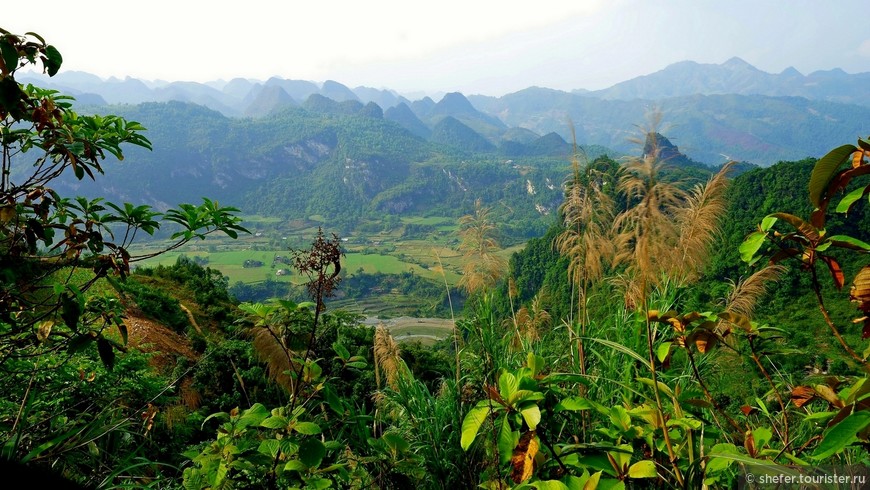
44,330
523,459
6,214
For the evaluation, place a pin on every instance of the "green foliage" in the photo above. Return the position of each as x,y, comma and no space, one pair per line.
60,410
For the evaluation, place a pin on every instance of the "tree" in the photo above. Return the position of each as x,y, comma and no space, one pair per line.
53,249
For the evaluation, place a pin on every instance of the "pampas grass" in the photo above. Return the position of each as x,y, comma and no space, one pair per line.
745,293
388,359
481,267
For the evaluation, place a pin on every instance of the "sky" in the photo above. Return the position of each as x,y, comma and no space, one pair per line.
473,46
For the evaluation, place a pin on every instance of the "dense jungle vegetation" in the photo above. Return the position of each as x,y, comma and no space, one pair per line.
662,333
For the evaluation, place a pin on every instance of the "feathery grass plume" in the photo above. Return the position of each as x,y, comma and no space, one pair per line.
481,267
699,220
272,351
745,293
532,319
388,360
646,233
587,215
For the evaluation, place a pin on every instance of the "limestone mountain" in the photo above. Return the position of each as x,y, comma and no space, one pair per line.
405,117
736,76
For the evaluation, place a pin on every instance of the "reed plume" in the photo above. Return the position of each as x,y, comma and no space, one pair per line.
745,293
699,220
388,359
481,268
532,319
272,350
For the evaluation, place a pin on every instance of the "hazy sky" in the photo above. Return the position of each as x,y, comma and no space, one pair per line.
474,46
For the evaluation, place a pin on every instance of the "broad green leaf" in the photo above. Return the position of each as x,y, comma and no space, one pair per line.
311,452
275,422
663,388
508,384
471,425
525,395
663,350
573,404
549,485
824,171
845,241
218,415
575,482
53,60
253,416
851,198
643,469
751,245
318,483
842,435
341,350
619,417
535,363
507,440
767,223
270,447
295,465
532,416
762,436
307,428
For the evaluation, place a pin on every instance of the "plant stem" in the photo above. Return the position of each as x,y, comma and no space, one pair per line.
652,366
818,290
709,396
785,439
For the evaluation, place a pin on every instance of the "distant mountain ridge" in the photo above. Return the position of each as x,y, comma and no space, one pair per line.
716,111
736,76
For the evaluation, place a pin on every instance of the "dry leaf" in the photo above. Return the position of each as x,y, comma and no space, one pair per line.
523,458
801,395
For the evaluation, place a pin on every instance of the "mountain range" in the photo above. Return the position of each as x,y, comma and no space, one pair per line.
714,111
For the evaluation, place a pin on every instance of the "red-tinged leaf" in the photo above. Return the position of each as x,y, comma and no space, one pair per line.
747,410
801,395
783,255
749,444
494,395
836,271
817,218
842,180
806,229
824,171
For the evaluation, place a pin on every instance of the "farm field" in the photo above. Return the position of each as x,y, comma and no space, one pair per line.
384,252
